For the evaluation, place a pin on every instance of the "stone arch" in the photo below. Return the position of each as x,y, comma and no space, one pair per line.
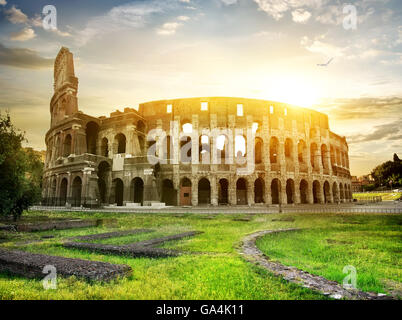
314,155
301,151
241,191
288,149
76,192
63,192
223,191
240,148
67,145
327,192
290,191
105,147
185,192
222,149
304,191
120,141
333,155
316,192
275,191
169,195
91,131
258,150
204,191
259,190
118,191
273,149
137,190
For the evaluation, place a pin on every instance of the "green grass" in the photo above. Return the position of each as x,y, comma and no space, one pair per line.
210,269
372,245
385,196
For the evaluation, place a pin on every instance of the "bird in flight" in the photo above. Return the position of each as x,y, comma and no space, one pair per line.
325,64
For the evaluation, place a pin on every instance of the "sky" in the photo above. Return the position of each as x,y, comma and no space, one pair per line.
129,52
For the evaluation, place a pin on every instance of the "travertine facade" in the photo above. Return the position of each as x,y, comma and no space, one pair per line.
103,161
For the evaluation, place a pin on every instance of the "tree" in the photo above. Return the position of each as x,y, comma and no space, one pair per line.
388,171
20,171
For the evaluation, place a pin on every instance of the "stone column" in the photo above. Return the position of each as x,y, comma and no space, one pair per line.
267,191
250,192
194,192
214,191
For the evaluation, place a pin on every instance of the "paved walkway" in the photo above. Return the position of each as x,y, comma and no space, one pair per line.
381,207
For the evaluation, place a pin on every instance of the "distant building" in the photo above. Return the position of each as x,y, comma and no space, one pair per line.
358,183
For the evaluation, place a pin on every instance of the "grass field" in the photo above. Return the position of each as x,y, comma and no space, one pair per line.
385,196
212,267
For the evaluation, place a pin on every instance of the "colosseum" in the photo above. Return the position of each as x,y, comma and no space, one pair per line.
189,152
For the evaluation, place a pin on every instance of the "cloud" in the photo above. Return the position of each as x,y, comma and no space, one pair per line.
127,16
319,46
3,2
362,108
16,16
183,18
277,8
229,2
301,15
168,28
388,131
23,35
23,58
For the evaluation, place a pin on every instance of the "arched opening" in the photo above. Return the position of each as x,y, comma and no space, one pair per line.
275,190
120,141
105,147
290,191
240,149
241,191
104,176
92,136
324,156
345,188
204,150
137,190
53,193
327,192
223,197
67,145
314,156
335,192
63,192
289,149
258,150
273,150
259,191
169,196
303,191
301,150
222,145
185,192
316,191
118,191
76,192
204,191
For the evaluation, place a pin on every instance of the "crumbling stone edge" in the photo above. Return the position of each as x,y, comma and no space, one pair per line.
333,289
